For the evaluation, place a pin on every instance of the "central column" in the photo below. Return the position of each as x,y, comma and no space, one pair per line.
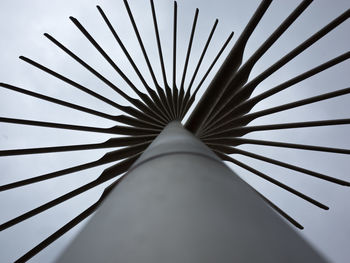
179,203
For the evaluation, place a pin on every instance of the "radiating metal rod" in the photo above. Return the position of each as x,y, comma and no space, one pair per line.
160,54
270,203
245,119
112,156
224,74
276,182
160,92
188,91
188,103
175,89
57,101
240,131
247,105
68,226
123,130
148,105
232,141
140,114
151,92
113,142
231,150
244,92
225,102
188,54
73,83
106,175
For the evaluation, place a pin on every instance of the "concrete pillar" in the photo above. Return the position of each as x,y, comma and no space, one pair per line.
179,203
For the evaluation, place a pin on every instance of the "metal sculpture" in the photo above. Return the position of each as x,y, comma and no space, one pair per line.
220,119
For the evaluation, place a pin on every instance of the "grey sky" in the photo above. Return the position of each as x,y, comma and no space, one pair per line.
21,26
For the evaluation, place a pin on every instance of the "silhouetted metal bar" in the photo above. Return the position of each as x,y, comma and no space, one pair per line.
231,150
151,92
200,193
113,142
123,130
148,105
238,141
188,54
68,226
275,182
245,119
160,92
160,53
190,101
58,102
188,91
74,84
244,92
106,175
240,131
175,89
106,158
247,105
129,110
225,101
270,203
224,74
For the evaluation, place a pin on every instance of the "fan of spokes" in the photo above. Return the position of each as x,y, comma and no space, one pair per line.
220,119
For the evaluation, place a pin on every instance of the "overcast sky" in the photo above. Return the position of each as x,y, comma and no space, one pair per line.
22,24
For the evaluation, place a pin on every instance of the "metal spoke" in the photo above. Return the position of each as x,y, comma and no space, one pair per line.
275,182
107,158
106,175
238,141
231,150
123,130
68,226
188,54
110,143
188,91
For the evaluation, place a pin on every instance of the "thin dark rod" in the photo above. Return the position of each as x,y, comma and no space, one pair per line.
131,111
161,94
148,105
160,54
292,54
188,91
274,206
247,105
188,103
112,156
225,72
238,141
252,116
74,84
106,175
112,130
188,54
275,182
175,89
240,78
113,142
281,212
231,150
151,92
57,101
68,226
240,131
